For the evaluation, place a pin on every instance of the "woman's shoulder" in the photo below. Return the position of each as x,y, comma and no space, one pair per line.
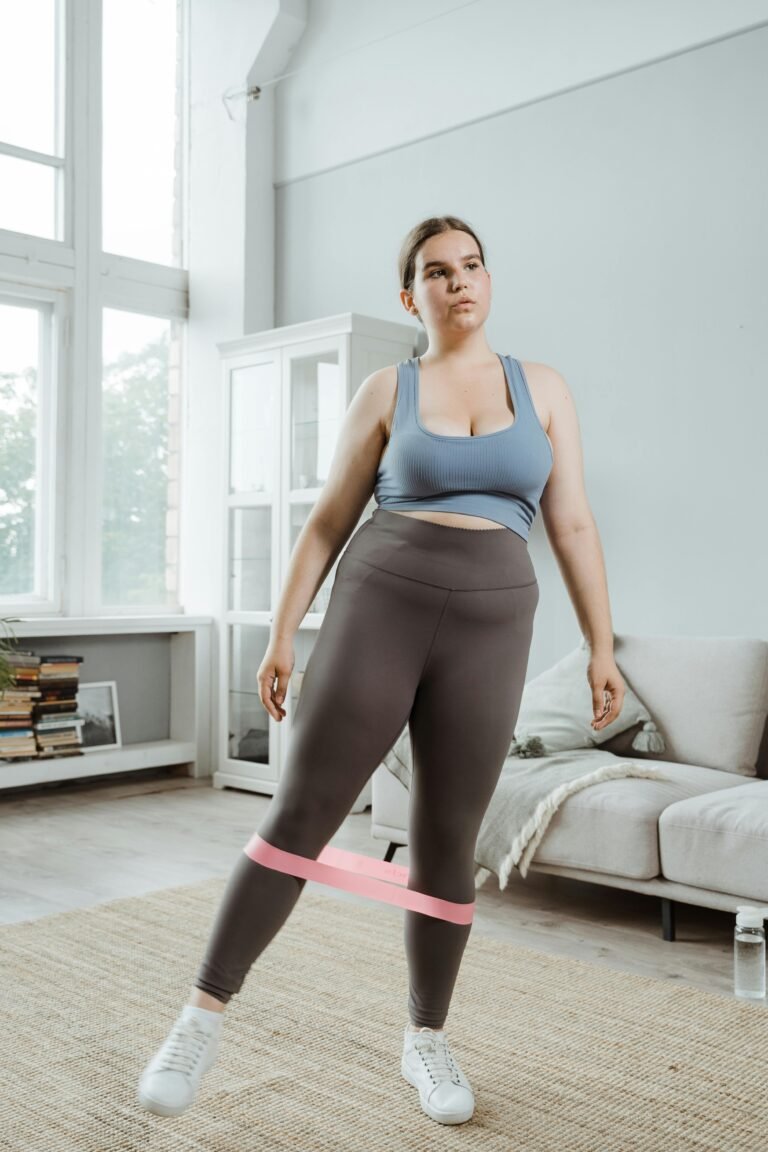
382,384
380,389
542,384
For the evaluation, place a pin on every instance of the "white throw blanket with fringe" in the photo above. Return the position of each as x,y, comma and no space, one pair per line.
528,794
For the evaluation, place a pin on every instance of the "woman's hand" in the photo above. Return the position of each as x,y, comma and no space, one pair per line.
277,665
607,686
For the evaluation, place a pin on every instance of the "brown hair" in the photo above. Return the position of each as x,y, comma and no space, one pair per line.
417,236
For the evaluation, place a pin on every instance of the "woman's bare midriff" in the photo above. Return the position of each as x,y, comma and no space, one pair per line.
452,519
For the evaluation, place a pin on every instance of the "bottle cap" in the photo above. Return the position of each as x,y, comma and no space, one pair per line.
750,915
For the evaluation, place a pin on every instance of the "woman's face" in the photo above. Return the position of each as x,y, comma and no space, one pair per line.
448,269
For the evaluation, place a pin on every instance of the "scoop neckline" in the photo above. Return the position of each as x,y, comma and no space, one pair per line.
482,435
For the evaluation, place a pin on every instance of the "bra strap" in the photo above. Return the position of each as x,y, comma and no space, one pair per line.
406,388
522,393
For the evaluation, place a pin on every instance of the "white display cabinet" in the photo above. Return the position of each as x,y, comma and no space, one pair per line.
285,394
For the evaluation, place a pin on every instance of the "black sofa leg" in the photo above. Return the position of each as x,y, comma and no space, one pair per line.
391,849
667,919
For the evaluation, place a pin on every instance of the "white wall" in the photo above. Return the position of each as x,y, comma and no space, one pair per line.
219,57
439,65
610,157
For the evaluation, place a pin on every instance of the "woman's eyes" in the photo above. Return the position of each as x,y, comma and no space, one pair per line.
473,264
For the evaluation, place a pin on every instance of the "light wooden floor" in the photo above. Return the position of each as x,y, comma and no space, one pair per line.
76,844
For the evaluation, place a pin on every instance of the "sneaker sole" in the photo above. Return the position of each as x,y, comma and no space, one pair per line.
160,1109
157,1108
432,1112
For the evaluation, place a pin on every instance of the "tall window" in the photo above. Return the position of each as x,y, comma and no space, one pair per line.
141,134
93,304
32,91
27,446
140,422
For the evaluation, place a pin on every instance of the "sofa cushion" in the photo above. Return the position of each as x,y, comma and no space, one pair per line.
719,841
707,694
613,826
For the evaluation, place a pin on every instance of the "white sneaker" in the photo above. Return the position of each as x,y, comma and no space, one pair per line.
428,1065
170,1081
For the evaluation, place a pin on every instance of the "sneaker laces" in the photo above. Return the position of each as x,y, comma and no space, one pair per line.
183,1048
436,1054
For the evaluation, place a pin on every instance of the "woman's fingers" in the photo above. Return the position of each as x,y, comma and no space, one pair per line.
609,713
270,695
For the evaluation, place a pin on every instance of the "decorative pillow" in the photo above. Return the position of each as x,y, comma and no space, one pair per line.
556,714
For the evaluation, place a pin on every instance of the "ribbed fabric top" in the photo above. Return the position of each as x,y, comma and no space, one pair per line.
500,475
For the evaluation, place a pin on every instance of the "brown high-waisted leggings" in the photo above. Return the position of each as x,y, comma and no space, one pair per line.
430,626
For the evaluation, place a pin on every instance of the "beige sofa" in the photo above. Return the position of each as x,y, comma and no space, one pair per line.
699,836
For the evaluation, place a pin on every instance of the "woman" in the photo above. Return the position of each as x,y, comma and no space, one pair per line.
429,622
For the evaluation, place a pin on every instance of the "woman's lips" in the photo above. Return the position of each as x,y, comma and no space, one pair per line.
463,304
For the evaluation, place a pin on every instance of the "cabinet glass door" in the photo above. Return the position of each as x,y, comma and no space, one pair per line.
250,556
298,515
249,733
316,412
253,418
253,485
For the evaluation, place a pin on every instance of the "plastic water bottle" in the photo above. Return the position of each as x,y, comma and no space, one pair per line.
749,952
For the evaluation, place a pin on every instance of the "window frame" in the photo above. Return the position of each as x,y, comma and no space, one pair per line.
50,466
78,280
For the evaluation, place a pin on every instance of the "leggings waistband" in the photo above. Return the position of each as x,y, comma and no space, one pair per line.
442,555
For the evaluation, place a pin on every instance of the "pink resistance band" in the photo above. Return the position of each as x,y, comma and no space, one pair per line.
363,875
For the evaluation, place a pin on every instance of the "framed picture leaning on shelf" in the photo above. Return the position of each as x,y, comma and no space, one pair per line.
97,704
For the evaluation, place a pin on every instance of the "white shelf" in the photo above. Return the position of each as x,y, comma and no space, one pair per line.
187,739
152,754
104,625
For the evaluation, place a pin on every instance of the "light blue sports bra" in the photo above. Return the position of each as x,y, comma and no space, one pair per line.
500,475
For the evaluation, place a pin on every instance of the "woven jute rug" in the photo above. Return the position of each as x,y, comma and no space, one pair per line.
561,1054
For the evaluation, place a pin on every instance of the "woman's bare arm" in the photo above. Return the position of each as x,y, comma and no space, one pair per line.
569,522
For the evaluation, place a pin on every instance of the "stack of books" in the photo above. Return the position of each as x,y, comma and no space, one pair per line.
17,733
58,726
